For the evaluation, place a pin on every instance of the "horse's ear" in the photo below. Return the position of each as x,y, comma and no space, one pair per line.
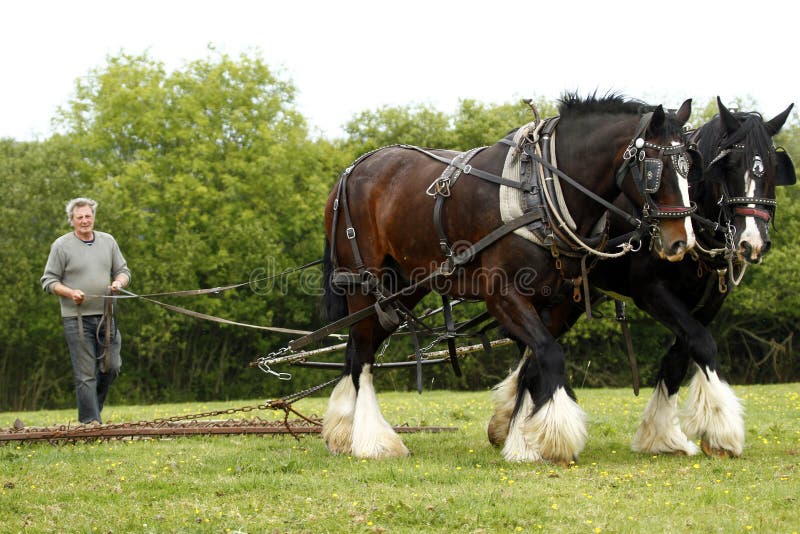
774,126
657,120
784,174
685,111
728,120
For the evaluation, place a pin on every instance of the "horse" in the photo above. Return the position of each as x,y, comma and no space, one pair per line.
736,201
385,211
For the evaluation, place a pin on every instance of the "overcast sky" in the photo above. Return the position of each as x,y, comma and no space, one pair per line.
347,56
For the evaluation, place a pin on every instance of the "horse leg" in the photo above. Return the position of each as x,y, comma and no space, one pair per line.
373,436
504,397
660,431
353,422
505,394
712,411
546,422
337,426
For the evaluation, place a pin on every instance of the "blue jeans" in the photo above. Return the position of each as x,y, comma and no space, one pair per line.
92,380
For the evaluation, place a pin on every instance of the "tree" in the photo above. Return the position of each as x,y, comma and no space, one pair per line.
38,178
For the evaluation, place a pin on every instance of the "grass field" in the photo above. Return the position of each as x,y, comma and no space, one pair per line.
453,481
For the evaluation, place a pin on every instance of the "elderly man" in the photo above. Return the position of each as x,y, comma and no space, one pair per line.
83,266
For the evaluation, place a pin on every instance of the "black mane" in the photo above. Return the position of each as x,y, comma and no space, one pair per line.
573,104
752,134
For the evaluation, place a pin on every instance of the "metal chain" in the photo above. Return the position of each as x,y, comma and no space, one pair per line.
276,357
284,403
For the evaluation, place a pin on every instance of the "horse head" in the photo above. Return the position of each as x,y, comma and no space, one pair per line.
655,171
743,170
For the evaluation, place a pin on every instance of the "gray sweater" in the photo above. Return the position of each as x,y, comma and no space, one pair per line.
90,268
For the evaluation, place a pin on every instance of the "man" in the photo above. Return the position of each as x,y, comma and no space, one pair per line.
80,266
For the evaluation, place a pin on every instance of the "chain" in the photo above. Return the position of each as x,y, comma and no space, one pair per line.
164,421
430,345
275,358
384,347
284,403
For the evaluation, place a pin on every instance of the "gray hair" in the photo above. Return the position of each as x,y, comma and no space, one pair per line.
80,202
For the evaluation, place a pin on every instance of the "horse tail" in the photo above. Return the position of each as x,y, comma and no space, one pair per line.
334,302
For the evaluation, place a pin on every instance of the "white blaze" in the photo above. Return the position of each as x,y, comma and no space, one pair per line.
683,183
751,234
687,221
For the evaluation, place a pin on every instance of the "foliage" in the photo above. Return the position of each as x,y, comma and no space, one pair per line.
207,176
454,481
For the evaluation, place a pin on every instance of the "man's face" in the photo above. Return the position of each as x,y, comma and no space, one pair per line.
83,221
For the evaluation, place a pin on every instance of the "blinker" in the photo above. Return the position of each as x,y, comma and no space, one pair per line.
652,174
758,166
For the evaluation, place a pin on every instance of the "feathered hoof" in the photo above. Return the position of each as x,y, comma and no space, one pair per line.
565,464
337,448
389,448
497,432
715,452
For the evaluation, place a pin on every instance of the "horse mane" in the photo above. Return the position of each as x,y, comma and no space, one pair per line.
571,104
752,134
596,109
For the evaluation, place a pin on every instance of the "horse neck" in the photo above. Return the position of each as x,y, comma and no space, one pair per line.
589,151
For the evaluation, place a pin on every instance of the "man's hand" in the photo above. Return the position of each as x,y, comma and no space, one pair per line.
116,285
77,296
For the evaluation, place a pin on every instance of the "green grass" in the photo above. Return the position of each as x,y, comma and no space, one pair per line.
452,482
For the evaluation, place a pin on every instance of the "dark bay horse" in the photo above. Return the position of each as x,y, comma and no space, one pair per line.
736,200
382,231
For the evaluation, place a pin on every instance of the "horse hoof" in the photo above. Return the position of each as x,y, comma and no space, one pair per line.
712,452
496,434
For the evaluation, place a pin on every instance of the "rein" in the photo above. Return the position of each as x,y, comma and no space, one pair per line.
109,299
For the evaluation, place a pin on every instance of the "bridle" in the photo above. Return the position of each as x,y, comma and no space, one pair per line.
647,172
733,205
730,206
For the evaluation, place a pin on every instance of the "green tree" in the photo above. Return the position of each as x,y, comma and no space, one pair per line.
37,178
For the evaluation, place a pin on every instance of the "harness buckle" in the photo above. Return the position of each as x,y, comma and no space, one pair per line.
440,186
351,233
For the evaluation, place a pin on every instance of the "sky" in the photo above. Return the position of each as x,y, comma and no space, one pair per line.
347,56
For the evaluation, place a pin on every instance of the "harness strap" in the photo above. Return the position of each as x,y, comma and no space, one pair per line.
711,284
350,231
460,259
441,189
469,254
417,354
469,169
637,144
451,333
630,219
108,319
619,306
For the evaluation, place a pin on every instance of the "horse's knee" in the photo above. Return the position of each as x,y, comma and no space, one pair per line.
702,349
544,374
